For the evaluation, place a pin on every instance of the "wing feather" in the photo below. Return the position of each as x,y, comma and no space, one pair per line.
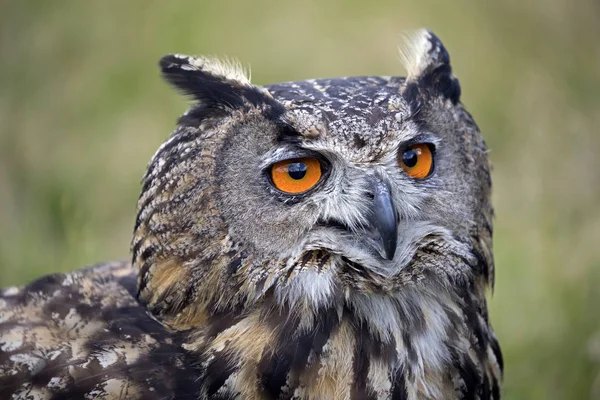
84,335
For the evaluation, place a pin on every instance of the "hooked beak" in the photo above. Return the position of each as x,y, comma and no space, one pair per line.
384,218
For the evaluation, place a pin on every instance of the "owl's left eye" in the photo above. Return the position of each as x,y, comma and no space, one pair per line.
296,175
417,160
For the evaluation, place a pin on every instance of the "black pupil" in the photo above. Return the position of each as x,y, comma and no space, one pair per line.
409,158
297,170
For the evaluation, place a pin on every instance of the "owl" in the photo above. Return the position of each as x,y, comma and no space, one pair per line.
319,239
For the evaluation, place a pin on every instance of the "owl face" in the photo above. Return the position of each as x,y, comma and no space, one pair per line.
348,167
332,183
317,178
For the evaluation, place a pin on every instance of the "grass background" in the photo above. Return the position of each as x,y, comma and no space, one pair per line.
82,110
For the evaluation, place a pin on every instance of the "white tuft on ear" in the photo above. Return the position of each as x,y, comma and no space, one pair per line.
414,53
422,53
427,63
226,68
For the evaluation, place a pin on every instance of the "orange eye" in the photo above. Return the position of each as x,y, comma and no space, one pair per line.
296,175
417,160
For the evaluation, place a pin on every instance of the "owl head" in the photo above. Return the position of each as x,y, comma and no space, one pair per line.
311,195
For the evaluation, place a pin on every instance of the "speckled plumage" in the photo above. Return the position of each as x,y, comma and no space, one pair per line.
237,290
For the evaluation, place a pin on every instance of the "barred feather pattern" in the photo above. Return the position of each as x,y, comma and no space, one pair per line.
78,341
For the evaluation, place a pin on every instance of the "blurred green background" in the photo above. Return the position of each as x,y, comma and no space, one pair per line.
82,109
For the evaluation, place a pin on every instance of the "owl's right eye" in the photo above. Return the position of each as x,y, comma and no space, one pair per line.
296,175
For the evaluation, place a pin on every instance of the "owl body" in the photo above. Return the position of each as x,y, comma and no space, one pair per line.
322,239
84,335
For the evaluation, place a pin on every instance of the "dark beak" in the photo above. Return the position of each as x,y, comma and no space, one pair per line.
384,217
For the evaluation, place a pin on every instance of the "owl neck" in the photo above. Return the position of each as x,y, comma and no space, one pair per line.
403,337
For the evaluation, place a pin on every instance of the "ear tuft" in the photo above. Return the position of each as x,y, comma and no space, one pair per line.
421,53
209,81
226,68
427,63
217,85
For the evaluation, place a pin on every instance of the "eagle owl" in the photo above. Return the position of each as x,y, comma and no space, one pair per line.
320,239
